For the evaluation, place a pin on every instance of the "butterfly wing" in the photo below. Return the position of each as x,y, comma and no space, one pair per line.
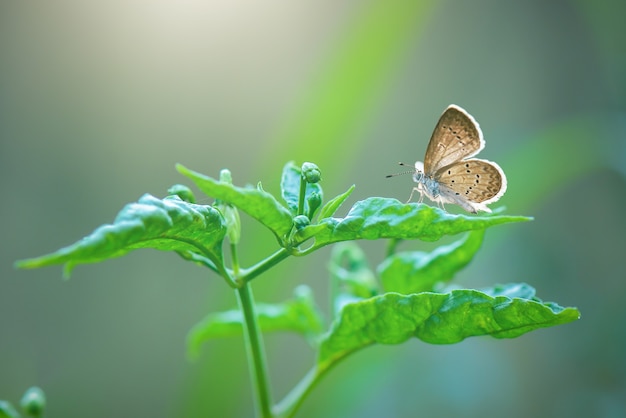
471,183
456,136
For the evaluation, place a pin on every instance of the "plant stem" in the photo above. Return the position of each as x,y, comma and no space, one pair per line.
234,259
269,262
391,246
255,351
290,404
302,195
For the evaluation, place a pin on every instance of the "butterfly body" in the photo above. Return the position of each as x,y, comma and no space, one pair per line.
449,175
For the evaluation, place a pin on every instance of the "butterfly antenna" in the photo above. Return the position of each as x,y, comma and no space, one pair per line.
402,173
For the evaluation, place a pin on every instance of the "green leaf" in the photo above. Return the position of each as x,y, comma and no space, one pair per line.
512,290
290,188
183,192
417,271
379,217
257,203
331,207
437,318
350,275
7,410
299,315
169,224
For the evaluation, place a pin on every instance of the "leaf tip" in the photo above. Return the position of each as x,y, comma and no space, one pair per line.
20,264
184,170
29,263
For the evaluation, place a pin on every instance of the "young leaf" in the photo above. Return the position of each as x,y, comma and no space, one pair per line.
257,203
350,275
290,188
299,315
416,271
170,224
436,318
331,207
379,217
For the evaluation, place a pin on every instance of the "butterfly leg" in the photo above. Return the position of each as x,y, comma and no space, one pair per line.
413,192
440,204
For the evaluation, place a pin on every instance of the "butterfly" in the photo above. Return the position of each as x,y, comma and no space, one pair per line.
448,174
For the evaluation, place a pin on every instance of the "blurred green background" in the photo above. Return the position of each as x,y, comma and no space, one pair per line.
99,100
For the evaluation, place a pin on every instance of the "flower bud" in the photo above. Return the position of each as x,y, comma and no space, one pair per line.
311,173
233,223
314,201
225,176
229,212
33,402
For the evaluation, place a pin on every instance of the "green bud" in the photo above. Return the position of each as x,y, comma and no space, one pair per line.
225,176
311,173
301,221
314,201
183,192
233,223
303,292
33,402
229,212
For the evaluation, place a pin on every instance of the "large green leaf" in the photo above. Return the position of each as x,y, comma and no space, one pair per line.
379,217
416,271
299,315
438,318
169,224
259,204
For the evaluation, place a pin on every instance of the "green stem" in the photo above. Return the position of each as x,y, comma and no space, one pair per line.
255,351
391,246
302,195
290,404
234,259
250,273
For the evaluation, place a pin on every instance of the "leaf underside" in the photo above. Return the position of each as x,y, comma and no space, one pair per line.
298,315
416,271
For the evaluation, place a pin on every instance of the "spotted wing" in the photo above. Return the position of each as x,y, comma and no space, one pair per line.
456,136
474,181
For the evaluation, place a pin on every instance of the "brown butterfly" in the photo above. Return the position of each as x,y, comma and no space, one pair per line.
448,175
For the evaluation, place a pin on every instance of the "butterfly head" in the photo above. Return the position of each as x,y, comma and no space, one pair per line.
418,175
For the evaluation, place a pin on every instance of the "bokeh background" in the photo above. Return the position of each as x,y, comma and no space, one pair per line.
99,100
